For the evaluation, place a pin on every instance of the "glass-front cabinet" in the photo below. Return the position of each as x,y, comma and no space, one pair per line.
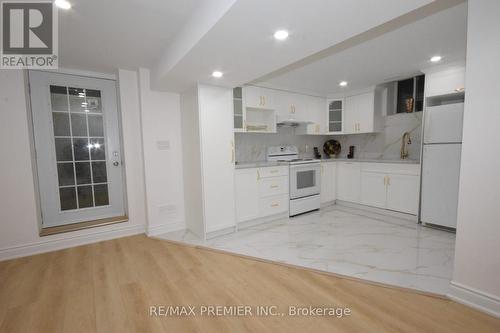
335,115
238,110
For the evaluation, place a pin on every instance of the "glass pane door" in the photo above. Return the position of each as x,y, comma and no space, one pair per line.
335,116
78,150
80,147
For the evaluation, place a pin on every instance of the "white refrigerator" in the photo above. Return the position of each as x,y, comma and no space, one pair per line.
442,147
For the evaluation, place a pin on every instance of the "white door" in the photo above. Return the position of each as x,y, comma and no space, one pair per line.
246,194
327,182
402,193
78,154
350,115
373,189
349,181
365,109
217,156
440,184
444,123
253,97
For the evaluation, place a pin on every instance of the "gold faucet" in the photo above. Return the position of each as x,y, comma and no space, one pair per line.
404,141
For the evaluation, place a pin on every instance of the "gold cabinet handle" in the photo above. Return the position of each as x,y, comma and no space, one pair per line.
275,205
388,181
264,99
232,151
385,180
274,186
258,175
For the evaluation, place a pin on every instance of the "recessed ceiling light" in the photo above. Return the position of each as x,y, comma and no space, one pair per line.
436,58
63,4
343,83
217,74
281,35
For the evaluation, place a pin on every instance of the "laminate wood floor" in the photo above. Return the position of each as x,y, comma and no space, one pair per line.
110,287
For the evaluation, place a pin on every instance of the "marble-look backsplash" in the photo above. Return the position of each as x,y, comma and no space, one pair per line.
252,147
387,144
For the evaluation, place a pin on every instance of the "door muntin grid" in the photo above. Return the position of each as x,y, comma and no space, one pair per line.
80,147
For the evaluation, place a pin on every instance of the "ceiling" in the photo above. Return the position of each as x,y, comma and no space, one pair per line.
103,35
183,41
241,45
402,52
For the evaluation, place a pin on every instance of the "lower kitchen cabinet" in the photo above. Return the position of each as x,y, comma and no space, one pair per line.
328,181
246,194
374,189
390,186
403,193
349,181
261,192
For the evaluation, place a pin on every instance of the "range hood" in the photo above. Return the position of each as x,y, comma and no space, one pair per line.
293,122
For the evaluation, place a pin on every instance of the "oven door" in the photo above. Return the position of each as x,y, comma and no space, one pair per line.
304,180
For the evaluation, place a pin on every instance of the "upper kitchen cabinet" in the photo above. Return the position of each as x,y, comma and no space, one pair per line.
335,116
445,82
259,98
258,110
363,112
239,112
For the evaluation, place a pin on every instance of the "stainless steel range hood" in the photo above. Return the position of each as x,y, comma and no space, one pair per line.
293,122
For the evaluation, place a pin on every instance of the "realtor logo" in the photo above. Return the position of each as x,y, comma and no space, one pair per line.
29,35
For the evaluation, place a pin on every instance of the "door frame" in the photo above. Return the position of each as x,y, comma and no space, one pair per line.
50,230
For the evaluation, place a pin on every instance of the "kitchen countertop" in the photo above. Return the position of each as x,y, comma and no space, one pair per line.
263,164
259,164
368,160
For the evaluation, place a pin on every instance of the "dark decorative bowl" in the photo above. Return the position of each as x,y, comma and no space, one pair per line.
332,148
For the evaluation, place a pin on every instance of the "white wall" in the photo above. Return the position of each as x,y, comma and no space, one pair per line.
161,125
191,159
18,210
476,279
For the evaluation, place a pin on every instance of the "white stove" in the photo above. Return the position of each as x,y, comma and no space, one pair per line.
304,181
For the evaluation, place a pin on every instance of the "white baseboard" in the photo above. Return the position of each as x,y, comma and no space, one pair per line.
379,211
47,244
476,299
262,220
164,228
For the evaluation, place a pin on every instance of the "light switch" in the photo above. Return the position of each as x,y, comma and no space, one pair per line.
163,145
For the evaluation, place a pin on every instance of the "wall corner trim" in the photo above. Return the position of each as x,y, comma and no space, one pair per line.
474,298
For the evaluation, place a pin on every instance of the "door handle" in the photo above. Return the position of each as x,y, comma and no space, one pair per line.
116,163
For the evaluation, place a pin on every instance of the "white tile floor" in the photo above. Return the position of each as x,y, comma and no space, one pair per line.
350,242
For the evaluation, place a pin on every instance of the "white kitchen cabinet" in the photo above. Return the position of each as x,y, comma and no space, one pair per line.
349,181
390,186
273,205
335,116
363,112
328,181
246,194
374,189
259,98
239,111
208,156
445,82
217,153
261,192
403,193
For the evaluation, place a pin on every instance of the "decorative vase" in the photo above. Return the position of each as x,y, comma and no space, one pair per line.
409,105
